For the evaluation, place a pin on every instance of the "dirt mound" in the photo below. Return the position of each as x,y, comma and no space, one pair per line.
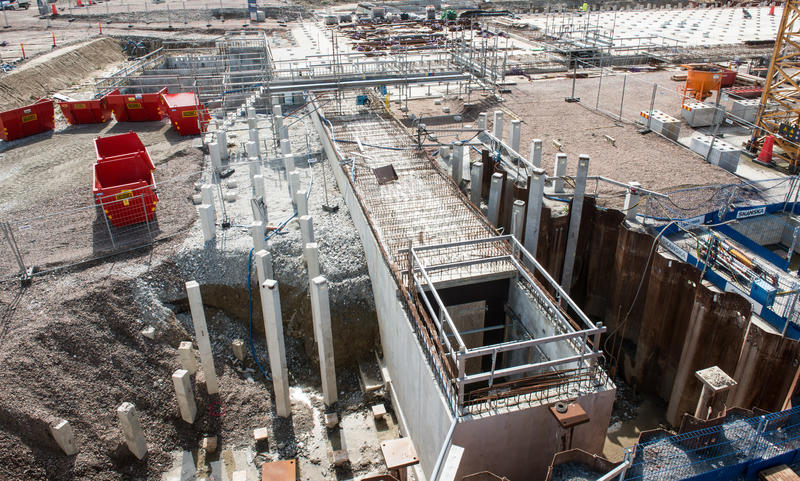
56,71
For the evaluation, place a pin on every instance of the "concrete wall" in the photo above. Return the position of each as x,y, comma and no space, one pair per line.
520,444
423,408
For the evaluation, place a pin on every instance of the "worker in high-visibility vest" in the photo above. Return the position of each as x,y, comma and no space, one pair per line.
585,7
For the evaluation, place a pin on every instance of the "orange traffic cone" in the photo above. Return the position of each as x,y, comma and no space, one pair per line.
772,9
765,156
79,3
53,5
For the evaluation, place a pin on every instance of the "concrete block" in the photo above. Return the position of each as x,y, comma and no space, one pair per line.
64,436
495,197
662,123
698,114
378,411
306,229
207,223
182,382
132,429
745,109
331,420
260,434
722,153
340,457
321,314
239,350
186,355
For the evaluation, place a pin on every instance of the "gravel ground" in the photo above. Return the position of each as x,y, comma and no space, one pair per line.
574,472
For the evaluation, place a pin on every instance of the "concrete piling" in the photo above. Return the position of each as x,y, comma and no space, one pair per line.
498,124
535,198
257,234
559,171
238,348
517,219
132,429
321,312
186,356
536,153
254,136
263,262
214,156
252,150
64,436
273,329
206,214
575,222
311,254
182,382
482,121
201,331
631,205
476,183
514,135
207,197
302,203
258,185
495,195
286,147
222,144
294,186
457,163
306,229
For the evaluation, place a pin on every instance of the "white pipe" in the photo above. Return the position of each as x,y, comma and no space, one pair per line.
437,468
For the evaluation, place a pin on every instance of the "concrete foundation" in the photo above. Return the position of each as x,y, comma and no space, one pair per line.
306,229
64,437
495,196
186,356
273,328
206,214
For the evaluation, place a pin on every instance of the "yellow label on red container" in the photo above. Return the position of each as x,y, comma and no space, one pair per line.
134,105
79,106
28,118
125,194
189,113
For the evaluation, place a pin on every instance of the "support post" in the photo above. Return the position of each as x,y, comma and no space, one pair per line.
257,234
258,185
222,144
132,429
201,331
535,196
214,156
206,214
457,164
306,229
517,219
514,135
536,153
495,197
302,203
182,381
254,136
321,311
498,125
631,205
311,254
252,150
186,356
207,198
574,222
273,329
476,183
482,121
294,186
559,171
263,260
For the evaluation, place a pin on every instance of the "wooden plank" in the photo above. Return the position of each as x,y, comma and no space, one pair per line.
778,473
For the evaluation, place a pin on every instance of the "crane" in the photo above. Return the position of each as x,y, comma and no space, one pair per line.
779,110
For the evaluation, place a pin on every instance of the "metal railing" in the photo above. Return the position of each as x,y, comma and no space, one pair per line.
567,359
726,447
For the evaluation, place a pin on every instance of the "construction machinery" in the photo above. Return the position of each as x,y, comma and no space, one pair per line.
779,109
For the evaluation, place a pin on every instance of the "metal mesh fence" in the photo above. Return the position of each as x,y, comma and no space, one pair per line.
724,447
116,223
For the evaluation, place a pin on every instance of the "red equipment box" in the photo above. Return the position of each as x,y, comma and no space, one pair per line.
122,146
137,107
87,111
28,120
187,114
125,189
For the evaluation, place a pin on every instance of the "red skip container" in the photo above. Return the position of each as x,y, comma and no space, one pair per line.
137,107
125,189
122,146
87,111
187,114
28,120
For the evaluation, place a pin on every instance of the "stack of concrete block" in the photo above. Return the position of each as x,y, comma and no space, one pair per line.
745,109
698,114
662,123
722,153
